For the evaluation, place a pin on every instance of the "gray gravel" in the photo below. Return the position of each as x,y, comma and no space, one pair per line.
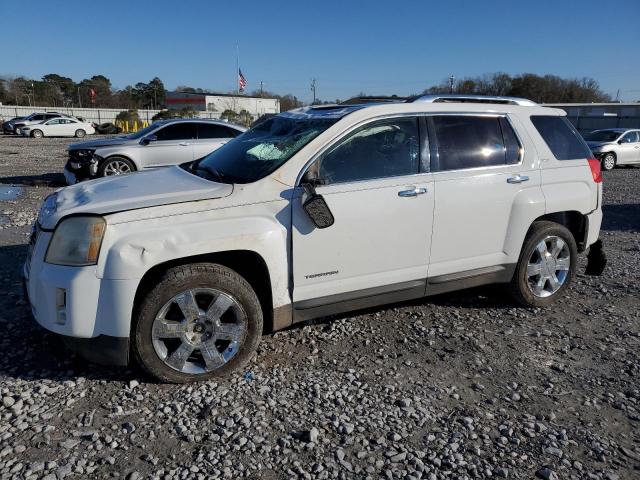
460,386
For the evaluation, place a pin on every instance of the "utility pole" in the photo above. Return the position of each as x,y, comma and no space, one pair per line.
79,99
451,79
33,90
313,89
261,90
618,95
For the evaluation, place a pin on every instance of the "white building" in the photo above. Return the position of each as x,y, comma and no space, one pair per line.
216,103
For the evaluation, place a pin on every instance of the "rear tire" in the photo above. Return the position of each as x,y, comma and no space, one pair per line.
37,134
199,321
609,161
80,133
546,266
115,165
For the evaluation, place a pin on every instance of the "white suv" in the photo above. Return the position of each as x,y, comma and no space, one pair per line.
312,212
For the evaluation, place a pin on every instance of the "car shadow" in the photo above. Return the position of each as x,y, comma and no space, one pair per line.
43,180
621,217
30,352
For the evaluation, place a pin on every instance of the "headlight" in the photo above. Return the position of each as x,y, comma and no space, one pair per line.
76,241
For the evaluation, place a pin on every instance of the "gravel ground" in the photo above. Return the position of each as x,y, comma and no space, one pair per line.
463,385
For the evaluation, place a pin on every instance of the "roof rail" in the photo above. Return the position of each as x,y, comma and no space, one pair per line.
455,97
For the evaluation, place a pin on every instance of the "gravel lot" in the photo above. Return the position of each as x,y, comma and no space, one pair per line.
457,386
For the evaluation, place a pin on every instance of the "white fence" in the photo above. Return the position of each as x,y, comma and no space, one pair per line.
97,115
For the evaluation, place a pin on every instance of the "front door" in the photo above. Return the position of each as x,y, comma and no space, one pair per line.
628,150
173,145
382,203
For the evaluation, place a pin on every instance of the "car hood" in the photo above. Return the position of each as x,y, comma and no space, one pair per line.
139,190
103,142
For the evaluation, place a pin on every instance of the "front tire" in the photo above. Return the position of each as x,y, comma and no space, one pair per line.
200,321
546,266
116,166
609,161
80,133
37,134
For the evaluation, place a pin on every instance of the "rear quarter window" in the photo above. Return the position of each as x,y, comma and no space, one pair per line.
562,139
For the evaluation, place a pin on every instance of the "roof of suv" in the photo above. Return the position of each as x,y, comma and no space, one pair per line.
426,103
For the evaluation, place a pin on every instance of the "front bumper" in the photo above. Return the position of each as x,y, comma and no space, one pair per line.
92,314
75,172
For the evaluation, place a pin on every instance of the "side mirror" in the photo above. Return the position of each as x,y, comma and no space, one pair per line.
315,204
148,139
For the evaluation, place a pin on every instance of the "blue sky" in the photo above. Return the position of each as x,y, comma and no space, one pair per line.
377,47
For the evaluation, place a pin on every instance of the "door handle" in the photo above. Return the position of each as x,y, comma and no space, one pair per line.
414,192
518,179
183,144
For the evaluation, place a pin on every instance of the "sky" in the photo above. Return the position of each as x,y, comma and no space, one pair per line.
349,46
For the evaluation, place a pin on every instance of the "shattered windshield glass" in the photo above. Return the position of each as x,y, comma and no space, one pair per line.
261,150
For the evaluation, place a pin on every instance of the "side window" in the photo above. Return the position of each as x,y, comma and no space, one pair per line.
38,118
467,141
209,130
631,137
513,149
55,121
177,131
387,148
561,137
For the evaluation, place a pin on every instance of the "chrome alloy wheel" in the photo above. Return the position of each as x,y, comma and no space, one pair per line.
199,330
548,266
116,167
609,161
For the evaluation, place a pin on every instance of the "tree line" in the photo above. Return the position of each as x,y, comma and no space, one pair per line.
539,88
54,90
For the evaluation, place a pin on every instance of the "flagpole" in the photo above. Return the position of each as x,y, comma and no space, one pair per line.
237,69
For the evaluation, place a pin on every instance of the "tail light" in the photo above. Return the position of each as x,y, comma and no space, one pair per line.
594,165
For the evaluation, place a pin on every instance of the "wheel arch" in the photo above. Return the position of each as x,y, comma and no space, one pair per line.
247,263
576,222
126,157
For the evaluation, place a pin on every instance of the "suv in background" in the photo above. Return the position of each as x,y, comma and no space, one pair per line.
313,212
161,144
615,146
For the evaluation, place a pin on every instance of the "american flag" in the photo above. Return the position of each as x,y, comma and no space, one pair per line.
242,82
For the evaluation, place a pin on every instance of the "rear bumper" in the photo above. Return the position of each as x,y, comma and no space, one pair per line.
594,221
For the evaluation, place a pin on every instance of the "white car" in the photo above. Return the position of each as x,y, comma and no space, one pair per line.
313,212
59,127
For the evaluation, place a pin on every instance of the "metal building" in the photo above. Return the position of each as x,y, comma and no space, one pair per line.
216,103
587,117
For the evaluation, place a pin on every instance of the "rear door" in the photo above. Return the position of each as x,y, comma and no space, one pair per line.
174,145
478,169
210,137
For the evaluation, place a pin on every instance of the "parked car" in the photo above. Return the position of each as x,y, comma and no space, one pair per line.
615,146
15,125
161,144
59,127
313,212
